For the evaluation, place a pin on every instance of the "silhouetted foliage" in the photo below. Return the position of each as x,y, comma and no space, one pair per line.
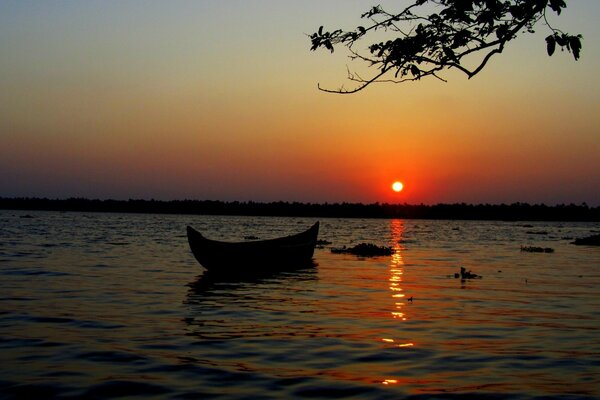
430,36
535,249
593,240
460,211
364,250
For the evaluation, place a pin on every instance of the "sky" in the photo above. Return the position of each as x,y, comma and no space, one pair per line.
218,100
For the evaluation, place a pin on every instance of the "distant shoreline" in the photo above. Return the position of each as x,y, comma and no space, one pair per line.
461,211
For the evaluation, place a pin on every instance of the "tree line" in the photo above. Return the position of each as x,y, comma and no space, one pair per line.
457,211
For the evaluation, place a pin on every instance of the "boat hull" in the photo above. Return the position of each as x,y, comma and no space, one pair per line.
280,254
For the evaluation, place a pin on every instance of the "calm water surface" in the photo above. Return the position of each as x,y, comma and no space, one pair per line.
111,305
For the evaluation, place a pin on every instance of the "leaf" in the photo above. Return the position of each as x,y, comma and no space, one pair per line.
415,71
328,45
502,31
516,11
449,53
461,38
575,42
557,5
550,44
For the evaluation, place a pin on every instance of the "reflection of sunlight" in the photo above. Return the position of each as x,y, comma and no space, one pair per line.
397,267
399,345
395,286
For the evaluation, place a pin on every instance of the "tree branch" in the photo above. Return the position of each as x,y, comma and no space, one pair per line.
460,28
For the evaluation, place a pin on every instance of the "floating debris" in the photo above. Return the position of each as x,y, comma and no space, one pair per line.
537,232
464,274
322,243
365,250
593,240
251,237
534,249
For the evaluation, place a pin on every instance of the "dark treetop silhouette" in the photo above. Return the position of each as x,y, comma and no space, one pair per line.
516,211
430,36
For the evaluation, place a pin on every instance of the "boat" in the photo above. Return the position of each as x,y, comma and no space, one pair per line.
257,256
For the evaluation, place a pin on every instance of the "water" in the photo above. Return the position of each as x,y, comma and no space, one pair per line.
114,305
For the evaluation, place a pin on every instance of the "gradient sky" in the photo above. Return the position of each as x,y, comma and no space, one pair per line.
218,99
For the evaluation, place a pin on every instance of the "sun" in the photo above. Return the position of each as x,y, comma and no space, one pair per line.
397,186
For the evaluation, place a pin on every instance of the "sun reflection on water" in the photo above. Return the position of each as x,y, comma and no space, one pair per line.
397,269
397,293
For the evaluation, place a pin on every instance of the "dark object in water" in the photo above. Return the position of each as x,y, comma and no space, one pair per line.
365,250
537,232
322,243
534,249
254,257
464,274
593,240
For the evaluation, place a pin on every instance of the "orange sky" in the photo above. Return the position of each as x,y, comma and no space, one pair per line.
218,100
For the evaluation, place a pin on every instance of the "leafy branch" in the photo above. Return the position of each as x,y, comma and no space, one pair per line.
425,44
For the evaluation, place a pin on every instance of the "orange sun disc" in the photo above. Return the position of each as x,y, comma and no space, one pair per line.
397,186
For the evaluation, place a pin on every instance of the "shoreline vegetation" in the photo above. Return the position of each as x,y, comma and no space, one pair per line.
458,211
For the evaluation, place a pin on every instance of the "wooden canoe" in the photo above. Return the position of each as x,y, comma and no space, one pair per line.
279,254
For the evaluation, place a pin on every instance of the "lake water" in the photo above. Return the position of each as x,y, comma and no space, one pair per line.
111,305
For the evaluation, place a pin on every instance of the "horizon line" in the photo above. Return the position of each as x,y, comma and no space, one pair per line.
292,202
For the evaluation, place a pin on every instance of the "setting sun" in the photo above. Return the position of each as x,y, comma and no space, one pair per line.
397,186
